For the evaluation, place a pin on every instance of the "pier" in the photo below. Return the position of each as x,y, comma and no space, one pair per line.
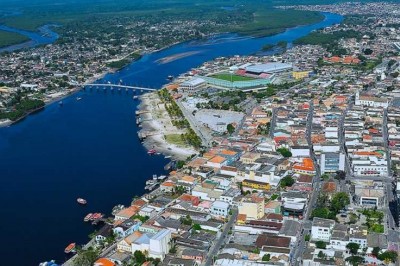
145,134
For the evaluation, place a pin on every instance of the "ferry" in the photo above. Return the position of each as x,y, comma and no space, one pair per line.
152,152
81,201
88,217
70,248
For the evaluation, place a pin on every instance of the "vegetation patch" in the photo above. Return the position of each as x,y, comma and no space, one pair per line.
175,139
11,38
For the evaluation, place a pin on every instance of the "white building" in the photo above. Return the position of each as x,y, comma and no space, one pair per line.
220,208
321,229
160,244
193,85
371,101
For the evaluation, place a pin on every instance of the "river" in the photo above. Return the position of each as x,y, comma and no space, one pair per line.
44,35
89,148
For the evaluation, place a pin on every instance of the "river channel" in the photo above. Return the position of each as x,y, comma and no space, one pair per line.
89,148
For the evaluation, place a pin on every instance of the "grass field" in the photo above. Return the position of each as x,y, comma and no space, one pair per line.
175,139
10,38
229,77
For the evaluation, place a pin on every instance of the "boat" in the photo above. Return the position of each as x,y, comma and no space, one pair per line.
167,157
135,97
81,201
48,263
150,182
88,217
152,151
70,248
170,77
96,216
117,208
60,103
78,98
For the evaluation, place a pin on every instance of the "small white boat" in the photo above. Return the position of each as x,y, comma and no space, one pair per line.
78,98
81,201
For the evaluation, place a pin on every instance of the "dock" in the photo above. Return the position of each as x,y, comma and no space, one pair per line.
144,134
141,112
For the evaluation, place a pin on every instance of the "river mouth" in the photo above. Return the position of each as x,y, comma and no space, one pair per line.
89,148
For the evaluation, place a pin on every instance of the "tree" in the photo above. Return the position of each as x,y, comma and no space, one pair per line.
180,164
320,244
339,201
196,227
266,257
353,248
140,258
368,51
285,152
321,254
375,251
287,181
230,128
307,237
340,175
187,220
355,260
389,255
86,257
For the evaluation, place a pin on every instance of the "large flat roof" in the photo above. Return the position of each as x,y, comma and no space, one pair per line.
268,67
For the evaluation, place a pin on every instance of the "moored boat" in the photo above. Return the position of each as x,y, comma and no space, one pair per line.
88,217
152,151
70,248
81,201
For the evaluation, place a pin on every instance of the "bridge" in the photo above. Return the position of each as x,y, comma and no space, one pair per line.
109,85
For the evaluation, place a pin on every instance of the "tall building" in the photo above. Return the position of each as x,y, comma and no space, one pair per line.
332,162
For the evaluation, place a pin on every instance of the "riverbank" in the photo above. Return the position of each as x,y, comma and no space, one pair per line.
52,98
161,134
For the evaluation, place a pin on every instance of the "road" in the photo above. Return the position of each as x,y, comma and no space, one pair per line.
206,140
217,245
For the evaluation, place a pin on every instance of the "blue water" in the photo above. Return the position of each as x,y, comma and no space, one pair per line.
90,149
44,36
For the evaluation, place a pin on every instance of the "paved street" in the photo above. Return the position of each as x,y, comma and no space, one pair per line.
206,140
217,245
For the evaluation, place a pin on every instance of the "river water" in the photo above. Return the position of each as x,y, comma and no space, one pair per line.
89,148
44,36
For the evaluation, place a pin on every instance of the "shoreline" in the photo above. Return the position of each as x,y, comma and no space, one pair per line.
48,102
102,75
157,123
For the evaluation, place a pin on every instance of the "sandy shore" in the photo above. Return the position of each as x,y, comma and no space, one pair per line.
157,123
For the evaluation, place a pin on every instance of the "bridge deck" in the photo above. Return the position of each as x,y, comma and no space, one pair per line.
115,86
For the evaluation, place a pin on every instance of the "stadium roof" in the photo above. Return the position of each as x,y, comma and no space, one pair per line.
269,67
